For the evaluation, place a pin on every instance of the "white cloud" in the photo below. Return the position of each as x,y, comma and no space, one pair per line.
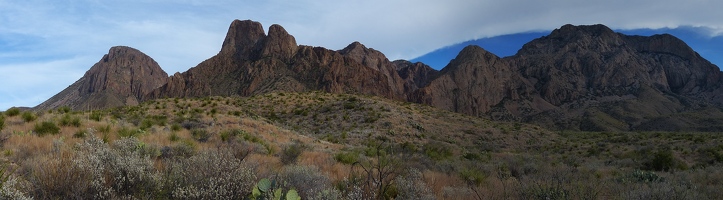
181,33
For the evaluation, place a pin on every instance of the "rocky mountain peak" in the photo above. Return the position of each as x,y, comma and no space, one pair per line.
570,38
279,43
121,77
368,57
242,37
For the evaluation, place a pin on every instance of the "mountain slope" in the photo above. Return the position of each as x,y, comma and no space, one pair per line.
121,77
581,77
251,62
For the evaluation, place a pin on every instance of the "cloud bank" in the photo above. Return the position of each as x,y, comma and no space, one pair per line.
45,45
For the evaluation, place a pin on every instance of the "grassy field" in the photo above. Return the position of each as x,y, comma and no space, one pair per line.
332,146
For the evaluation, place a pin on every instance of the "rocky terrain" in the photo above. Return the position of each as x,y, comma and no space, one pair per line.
578,78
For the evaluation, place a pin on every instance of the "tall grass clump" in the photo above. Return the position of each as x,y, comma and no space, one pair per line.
12,112
46,127
69,120
2,122
28,116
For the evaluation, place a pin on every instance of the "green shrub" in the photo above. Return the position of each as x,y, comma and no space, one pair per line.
12,112
472,177
69,120
46,127
2,122
347,157
80,133
28,116
96,116
176,127
64,109
230,134
664,160
291,153
437,151
128,132
201,135
173,137
104,129
146,124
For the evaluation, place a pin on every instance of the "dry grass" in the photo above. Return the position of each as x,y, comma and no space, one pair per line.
517,161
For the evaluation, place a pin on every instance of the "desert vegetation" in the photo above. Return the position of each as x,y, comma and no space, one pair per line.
316,145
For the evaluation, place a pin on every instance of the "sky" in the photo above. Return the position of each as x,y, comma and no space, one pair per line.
46,45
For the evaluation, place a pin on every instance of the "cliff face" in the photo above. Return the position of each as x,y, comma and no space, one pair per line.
251,62
121,77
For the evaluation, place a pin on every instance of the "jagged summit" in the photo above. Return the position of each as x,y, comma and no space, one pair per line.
121,77
251,62
242,37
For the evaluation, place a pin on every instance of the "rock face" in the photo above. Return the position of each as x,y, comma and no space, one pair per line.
251,62
579,77
121,77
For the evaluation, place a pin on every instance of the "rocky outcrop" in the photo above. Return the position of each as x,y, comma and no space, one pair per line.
251,62
472,83
416,75
121,77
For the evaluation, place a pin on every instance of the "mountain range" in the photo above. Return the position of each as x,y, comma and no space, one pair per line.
576,78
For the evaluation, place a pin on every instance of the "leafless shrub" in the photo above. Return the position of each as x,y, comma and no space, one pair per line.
209,175
309,181
412,186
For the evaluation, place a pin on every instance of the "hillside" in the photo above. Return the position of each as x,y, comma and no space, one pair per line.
200,147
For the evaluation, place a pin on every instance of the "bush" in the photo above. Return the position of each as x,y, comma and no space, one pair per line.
80,134
664,160
291,153
69,120
64,109
412,186
437,151
28,116
96,116
309,181
230,134
58,177
12,112
2,122
347,157
121,169
201,135
176,127
209,175
128,132
46,127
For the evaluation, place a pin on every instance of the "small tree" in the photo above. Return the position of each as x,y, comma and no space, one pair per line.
380,171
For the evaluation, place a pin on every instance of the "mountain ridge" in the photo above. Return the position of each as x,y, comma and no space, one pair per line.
572,78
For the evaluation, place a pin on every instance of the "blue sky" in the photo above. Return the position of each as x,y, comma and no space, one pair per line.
46,45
